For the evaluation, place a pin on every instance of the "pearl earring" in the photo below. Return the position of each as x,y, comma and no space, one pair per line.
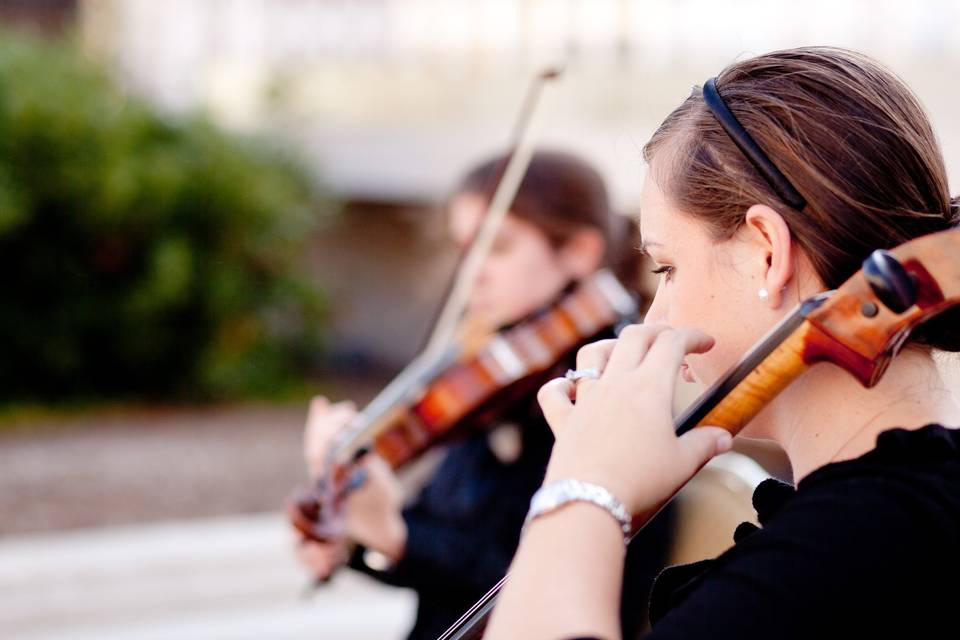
763,293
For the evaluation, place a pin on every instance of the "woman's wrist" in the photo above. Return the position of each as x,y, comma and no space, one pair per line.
590,544
398,541
564,467
563,493
583,517
388,536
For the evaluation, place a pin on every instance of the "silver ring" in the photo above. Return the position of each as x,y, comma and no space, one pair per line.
578,374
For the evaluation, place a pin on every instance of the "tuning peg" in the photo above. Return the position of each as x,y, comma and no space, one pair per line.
890,282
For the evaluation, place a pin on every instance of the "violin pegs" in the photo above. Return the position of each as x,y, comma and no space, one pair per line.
890,282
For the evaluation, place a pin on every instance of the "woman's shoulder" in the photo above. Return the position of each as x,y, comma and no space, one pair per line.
899,501
873,531
913,469
910,476
912,450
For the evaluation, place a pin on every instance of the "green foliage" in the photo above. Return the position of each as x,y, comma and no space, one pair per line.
141,256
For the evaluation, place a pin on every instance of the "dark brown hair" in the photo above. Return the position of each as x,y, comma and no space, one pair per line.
850,136
561,194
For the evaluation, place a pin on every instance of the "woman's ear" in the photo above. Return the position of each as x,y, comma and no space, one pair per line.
767,229
582,253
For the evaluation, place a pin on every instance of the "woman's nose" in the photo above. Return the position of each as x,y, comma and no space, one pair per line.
656,314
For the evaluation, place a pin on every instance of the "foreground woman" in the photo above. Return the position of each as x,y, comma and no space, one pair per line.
866,545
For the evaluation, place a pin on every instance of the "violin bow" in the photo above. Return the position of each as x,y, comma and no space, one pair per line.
859,327
525,136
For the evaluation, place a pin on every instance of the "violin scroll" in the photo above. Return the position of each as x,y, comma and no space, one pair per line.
896,288
860,329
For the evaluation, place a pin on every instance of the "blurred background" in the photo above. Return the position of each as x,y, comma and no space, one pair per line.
212,209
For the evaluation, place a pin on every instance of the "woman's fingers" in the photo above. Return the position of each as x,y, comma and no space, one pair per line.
699,445
632,346
667,352
319,403
601,435
324,421
318,407
341,413
595,354
556,402
321,558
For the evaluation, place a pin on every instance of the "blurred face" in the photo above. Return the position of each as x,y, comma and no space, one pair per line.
522,271
705,284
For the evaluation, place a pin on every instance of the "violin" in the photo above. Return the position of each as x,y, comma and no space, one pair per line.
428,408
859,327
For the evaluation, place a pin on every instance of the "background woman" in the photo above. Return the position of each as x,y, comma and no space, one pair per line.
456,540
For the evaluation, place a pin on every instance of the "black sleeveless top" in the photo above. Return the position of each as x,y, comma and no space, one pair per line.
865,548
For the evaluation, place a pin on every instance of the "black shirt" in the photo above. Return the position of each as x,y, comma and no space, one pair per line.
866,548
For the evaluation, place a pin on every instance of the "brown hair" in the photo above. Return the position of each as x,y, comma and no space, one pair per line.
850,136
561,194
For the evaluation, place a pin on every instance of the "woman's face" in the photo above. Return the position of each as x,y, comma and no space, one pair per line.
704,283
522,272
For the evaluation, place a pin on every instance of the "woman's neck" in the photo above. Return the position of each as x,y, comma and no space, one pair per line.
827,416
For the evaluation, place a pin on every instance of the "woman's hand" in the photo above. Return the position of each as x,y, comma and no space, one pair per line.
374,511
373,519
617,431
322,558
324,422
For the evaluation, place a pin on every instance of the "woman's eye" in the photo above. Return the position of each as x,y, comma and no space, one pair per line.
665,269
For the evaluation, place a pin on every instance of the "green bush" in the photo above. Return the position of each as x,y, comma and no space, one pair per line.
139,256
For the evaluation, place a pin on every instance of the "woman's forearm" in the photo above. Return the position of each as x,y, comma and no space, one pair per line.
565,580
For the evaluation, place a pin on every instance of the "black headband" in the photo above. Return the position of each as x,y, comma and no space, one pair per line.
753,152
